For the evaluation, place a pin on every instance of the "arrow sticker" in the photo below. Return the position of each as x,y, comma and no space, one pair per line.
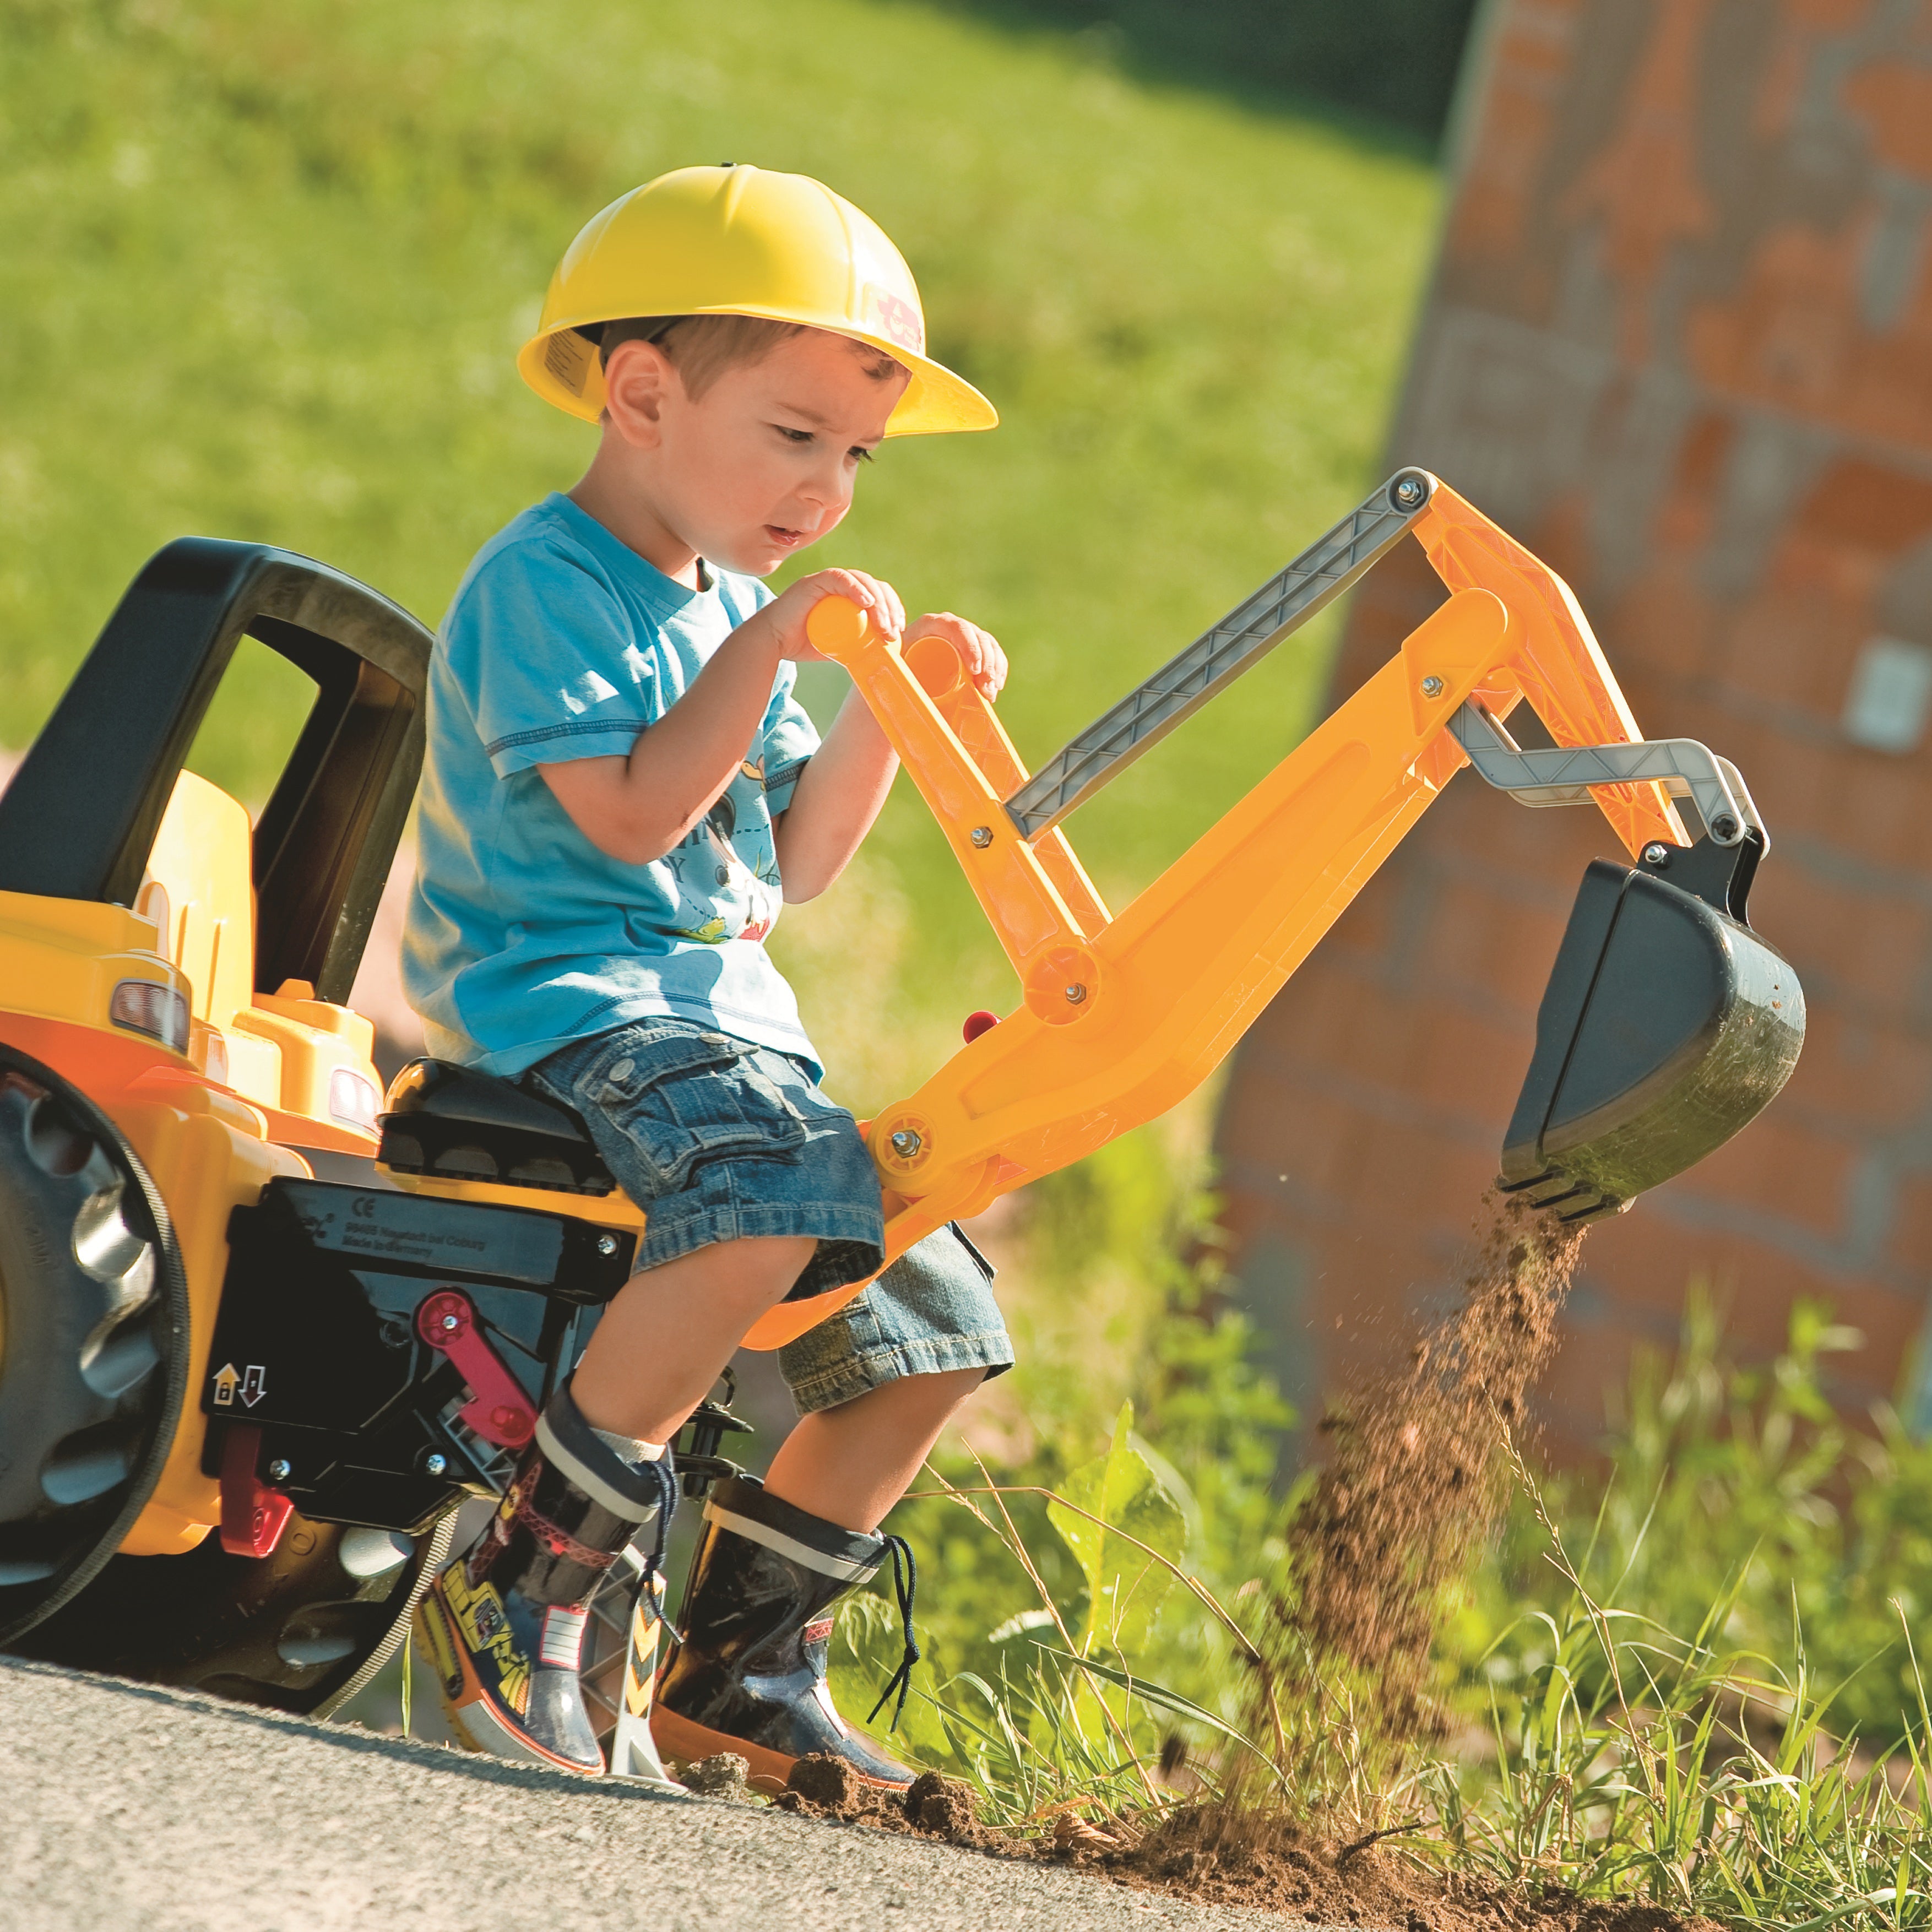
225,1383
253,1380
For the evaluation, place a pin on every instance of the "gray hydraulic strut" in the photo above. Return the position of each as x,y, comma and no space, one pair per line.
1217,657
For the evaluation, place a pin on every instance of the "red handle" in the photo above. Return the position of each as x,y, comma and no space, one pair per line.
501,1412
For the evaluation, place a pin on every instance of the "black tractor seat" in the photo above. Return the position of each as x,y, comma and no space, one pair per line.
459,1124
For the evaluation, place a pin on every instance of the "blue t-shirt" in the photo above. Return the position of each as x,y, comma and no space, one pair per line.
522,936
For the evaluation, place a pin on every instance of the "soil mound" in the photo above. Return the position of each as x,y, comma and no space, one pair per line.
1253,1858
1223,1855
932,1806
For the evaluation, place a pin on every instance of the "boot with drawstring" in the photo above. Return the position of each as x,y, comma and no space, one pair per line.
503,1626
746,1671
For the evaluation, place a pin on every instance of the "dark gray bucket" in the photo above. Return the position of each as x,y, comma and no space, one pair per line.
1667,1025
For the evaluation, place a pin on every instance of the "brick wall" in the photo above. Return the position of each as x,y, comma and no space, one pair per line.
1680,342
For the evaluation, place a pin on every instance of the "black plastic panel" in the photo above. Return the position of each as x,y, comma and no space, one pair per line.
318,1321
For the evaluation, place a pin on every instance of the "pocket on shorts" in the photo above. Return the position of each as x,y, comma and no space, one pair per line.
682,1098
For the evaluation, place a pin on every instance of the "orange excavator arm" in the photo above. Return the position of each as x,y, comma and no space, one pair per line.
1123,1015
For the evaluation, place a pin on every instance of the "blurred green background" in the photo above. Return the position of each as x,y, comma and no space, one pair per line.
268,267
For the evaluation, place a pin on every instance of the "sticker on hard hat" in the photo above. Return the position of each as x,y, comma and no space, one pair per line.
567,356
902,321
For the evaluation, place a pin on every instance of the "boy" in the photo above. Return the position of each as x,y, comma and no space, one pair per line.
620,792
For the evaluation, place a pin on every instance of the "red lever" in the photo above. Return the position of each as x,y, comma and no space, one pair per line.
501,1412
252,1515
978,1023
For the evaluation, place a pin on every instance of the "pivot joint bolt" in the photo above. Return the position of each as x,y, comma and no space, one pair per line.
981,836
1431,687
1723,826
1075,994
607,1244
281,1470
1656,854
435,1464
1408,493
906,1143
450,1323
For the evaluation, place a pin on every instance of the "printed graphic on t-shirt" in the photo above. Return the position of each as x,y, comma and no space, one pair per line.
735,883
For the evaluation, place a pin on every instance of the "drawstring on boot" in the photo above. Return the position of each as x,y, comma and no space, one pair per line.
905,1587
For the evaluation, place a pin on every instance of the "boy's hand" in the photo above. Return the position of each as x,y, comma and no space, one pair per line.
979,650
787,613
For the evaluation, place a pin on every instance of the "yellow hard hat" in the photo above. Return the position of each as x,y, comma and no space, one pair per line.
740,241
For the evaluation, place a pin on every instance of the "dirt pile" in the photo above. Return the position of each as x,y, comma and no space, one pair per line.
932,1807
1251,1858
1416,1476
1247,1856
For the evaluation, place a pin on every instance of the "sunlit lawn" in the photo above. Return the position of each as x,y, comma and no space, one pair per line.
267,267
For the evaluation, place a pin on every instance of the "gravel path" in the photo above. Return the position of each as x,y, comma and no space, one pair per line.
127,1806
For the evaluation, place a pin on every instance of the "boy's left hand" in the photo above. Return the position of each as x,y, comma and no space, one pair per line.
986,662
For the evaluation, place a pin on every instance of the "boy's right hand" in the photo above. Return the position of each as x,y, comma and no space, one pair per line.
787,613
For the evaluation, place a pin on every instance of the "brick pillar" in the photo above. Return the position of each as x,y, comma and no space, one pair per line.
1680,342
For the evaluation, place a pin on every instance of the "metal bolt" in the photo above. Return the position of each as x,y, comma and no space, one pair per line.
981,836
906,1143
1655,854
1723,826
280,1470
1409,492
450,1323
435,1464
1431,687
1075,994
607,1244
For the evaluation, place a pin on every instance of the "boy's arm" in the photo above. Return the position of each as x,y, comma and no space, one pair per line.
845,781
637,807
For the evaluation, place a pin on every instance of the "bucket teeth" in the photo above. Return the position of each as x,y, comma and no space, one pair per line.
1568,1200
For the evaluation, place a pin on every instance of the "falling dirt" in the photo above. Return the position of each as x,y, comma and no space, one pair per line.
1416,1477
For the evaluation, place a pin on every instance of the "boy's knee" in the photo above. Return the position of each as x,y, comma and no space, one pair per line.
768,1265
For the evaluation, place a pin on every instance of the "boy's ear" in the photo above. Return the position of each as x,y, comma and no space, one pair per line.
637,380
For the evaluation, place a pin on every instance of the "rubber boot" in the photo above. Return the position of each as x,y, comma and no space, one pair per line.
503,1626
746,1673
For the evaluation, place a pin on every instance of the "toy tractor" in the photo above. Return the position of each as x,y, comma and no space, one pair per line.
240,1405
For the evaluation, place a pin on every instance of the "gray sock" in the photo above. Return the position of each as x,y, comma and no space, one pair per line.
634,1452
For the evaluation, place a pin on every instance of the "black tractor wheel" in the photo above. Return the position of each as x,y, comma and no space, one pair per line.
300,1630
94,1332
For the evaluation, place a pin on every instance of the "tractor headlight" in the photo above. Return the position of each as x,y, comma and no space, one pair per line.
146,1006
352,1100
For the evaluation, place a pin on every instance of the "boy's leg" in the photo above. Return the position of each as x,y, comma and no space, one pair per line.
663,1341
877,1383
852,1463
752,1182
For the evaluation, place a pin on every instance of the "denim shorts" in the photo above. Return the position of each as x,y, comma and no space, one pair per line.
719,1140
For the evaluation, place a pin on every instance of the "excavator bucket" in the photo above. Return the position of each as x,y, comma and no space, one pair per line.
1667,1024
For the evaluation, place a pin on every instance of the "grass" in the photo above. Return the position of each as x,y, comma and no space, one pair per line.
269,266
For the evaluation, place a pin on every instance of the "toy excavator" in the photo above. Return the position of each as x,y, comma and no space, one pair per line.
239,1405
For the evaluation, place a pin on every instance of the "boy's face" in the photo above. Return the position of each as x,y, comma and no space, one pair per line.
763,464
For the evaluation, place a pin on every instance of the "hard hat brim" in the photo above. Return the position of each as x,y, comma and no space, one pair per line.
936,402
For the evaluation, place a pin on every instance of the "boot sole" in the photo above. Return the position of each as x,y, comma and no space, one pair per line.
677,1737
472,1719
